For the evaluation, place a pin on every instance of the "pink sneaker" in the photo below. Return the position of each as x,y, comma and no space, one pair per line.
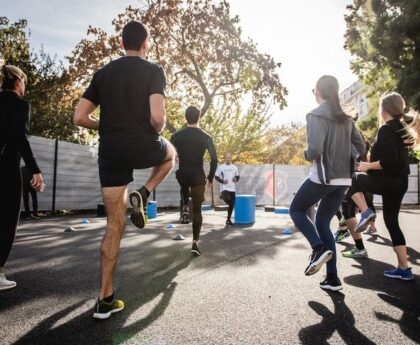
371,231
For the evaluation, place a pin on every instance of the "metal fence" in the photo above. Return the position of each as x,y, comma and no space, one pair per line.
71,175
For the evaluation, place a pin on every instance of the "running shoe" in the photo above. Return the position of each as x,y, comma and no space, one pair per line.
317,259
399,273
356,253
138,201
229,223
365,219
371,231
333,284
195,250
6,284
103,310
185,216
340,235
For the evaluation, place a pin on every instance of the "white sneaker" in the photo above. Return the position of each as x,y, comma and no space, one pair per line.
6,284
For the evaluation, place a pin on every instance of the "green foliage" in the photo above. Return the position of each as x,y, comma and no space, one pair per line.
52,104
384,38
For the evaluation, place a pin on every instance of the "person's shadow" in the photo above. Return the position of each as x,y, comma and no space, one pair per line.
82,329
340,320
404,295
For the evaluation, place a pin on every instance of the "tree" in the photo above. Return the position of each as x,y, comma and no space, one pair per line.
52,103
200,46
384,38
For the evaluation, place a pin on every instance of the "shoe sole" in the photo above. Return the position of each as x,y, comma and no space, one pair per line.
137,217
103,316
398,277
363,225
193,251
4,288
356,257
331,288
316,266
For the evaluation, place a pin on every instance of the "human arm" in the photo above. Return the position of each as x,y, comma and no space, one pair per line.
157,100
316,132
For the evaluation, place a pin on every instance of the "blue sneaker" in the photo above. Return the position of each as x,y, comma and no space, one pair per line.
365,219
399,273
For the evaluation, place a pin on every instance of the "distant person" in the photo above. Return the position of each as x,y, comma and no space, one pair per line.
387,174
29,190
330,135
14,145
191,144
227,175
131,94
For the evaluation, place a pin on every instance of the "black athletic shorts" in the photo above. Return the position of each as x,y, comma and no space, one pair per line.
115,173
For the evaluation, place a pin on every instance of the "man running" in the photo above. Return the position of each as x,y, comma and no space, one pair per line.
228,175
130,92
191,143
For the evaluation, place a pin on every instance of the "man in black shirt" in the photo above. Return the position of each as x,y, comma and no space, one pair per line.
130,92
191,143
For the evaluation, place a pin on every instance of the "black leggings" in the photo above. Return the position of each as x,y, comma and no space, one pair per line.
229,198
197,196
9,206
32,192
349,207
392,190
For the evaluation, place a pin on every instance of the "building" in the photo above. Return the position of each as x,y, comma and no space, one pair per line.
354,97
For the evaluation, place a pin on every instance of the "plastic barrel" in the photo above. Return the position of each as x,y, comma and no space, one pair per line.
245,209
151,209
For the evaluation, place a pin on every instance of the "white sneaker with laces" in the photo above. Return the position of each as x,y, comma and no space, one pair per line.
6,284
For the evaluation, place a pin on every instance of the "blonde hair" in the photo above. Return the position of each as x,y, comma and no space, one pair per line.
393,104
9,74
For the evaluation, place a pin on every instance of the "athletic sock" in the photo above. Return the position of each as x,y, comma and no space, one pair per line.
147,192
359,244
108,299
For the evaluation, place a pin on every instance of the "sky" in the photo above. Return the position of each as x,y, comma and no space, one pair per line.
306,36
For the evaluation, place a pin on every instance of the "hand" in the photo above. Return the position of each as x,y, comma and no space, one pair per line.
209,185
37,181
363,167
225,181
235,179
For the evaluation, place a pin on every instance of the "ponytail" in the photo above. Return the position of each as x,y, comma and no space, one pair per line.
9,75
412,138
328,87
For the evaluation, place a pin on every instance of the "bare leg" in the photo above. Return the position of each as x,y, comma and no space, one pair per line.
351,223
161,171
115,200
360,201
401,252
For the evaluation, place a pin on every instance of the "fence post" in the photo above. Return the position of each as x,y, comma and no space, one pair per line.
274,185
55,175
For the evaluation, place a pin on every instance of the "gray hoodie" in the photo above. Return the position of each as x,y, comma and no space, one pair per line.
330,140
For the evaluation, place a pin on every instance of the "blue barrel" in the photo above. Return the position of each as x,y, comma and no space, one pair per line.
151,209
245,209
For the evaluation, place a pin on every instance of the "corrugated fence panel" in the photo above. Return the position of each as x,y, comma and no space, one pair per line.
254,179
44,153
288,180
78,184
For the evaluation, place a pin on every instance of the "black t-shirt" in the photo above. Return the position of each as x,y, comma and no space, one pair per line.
122,89
191,144
389,149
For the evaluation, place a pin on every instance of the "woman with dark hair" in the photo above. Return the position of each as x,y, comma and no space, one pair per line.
387,174
330,135
14,144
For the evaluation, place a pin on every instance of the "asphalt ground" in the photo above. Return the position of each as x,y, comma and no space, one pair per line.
248,287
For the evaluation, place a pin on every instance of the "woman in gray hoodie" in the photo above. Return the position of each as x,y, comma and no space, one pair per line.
330,135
